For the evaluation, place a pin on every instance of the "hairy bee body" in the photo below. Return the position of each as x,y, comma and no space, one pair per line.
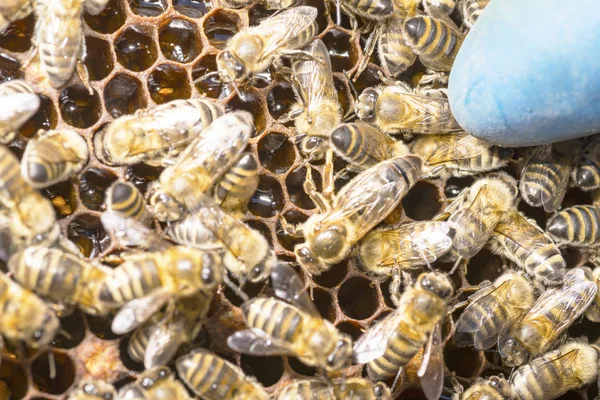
586,174
446,6
523,242
268,4
363,146
156,384
24,316
400,109
471,10
492,309
577,226
18,103
14,10
214,378
238,185
493,388
93,390
554,311
570,367
377,10
150,135
53,157
125,201
350,388
593,311
60,277
394,54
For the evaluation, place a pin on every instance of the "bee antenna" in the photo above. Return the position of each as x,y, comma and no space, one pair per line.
236,289
455,266
238,92
208,75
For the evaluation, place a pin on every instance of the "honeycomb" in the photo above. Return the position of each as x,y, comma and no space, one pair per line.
146,52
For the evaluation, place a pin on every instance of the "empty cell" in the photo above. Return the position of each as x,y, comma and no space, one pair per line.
454,186
252,289
14,376
324,303
99,60
74,326
17,36
44,118
350,328
484,266
333,276
268,199
466,362
280,100
192,8
179,41
148,8
135,49
101,326
422,202
167,83
300,368
267,370
141,175
358,298
276,152
219,27
537,213
41,372
123,95
368,78
93,186
109,20
78,108
87,232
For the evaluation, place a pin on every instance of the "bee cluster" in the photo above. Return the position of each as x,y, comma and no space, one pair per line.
284,212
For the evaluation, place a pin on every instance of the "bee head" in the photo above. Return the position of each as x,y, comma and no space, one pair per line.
341,356
330,243
512,351
381,391
163,206
313,147
365,106
436,283
230,68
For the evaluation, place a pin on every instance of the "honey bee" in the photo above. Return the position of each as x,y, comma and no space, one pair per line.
60,277
317,111
493,309
523,242
254,49
292,327
213,378
267,4
352,388
363,146
25,317
248,255
155,136
434,37
545,178
18,103
53,156
398,108
407,246
394,54
201,165
577,226
586,174
593,311
32,217
445,6
14,10
156,341
345,218
471,10
391,343
553,312
569,367
238,185
474,214
124,200
93,390
493,388
459,154
156,384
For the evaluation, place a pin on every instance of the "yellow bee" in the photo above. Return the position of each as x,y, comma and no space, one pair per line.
553,312
268,4
493,309
18,103
351,388
292,327
398,108
212,378
493,388
577,226
593,311
391,343
14,10
155,384
93,390
471,10
53,156
155,136
124,200
586,174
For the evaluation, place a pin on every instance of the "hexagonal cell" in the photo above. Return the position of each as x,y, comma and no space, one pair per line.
78,108
268,199
135,49
17,36
99,60
93,186
367,78
267,370
298,196
358,298
253,106
192,8
74,326
14,376
300,368
206,83
141,175
123,95
109,20
148,8
333,276
422,202
179,41
350,328
167,83
454,186
62,197
101,327
464,361
44,118
288,242
341,51
10,68
324,303
87,232
219,27
280,100
276,152
484,266
41,372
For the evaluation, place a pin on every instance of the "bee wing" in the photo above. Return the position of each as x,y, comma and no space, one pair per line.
315,76
562,359
378,145
289,287
373,343
457,147
17,108
257,342
163,343
283,27
137,311
431,371
437,13
132,233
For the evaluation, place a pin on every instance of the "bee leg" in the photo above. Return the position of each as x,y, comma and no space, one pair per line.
292,230
310,188
290,116
368,50
328,178
81,69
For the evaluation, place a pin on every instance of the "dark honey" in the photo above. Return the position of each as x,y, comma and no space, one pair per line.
44,118
168,82
17,37
341,52
267,201
192,8
109,20
148,8
73,326
276,152
123,95
141,175
255,107
280,101
285,240
89,235
99,60
294,183
10,68
179,41
14,377
135,50
218,28
206,83
62,198
78,108
92,187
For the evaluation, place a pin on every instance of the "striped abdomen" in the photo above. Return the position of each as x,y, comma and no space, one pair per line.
126,201
136,348
213,378
542,181
371,9
471,10
275,317
576,226
434,41
304,37
131,280
361,145
237,186
470,236
394,54
495,157
480,325
12,185
587,174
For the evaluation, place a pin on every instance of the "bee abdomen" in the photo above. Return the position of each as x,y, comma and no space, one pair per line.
348,141
587,175
275,317
10,172
124,199
139,341
539,182
577,226
400,350
373,9
304,37
131,280
545,261
239,183
209,111
394,54
432,40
